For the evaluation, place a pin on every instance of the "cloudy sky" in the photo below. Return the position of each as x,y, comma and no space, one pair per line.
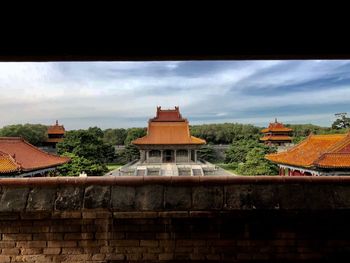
125,94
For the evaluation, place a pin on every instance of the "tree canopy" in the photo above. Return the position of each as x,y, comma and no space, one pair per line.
88,144
341,122
225,133
35,134
206,152
131,152
256,164
115,136
249,158
78,165
134,133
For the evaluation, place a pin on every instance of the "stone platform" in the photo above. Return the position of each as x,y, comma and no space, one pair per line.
200,168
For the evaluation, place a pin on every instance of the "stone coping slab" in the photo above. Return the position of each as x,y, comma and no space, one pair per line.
172,180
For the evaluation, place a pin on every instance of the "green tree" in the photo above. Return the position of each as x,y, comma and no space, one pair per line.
341,122
130,153
256,164
35,134
206,152
238,150
96,131
225,133
248,155
304,130
134,133
78,165
114,136
88,144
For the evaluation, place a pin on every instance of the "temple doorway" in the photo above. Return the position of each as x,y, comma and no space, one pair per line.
168,156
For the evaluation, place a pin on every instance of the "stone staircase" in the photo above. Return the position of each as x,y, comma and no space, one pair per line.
169,170
141,171
197,170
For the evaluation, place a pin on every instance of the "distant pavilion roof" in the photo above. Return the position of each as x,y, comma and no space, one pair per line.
276,127
56,129
324,151
25,156
168,127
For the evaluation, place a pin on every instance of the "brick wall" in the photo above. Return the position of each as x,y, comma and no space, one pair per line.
156,219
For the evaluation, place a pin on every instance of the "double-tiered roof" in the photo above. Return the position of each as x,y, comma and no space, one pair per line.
276,127
55,133
168,127
276,132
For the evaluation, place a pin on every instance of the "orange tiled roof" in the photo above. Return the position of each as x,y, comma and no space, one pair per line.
168,128
8,164
276,138
28,156
56,129
314,151
334,160
276,127
168,115
168,133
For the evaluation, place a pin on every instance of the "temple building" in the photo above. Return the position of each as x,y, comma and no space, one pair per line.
18,158
316,155
168,148
277,134
55,134
168,139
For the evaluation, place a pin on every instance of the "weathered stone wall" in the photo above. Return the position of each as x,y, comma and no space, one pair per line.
174,218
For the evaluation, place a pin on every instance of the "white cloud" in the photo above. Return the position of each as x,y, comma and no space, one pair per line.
82,90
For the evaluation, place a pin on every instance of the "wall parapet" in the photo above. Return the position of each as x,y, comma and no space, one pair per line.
176,180
153,193
174,219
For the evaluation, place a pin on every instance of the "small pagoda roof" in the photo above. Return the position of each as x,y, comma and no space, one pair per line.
276,127
324,151
168,127
56,129
27,156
